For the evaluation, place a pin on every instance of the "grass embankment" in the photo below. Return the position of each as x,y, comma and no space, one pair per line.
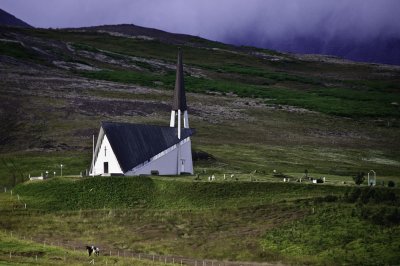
126,192
248,221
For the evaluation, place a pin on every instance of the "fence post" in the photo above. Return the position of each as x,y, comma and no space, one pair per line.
36,257
110,253
10,254
153,258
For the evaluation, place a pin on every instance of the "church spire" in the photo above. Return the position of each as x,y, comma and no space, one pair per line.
179,102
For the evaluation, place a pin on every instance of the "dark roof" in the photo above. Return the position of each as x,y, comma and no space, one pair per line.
179,92
134,144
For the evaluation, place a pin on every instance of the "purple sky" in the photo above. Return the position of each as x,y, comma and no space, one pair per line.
224,20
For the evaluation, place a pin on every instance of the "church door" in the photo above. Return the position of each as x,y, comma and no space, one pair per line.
106,167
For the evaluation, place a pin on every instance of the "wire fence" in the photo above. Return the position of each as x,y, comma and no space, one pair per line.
112,252
123,253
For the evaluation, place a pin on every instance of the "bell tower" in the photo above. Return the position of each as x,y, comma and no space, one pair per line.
179,103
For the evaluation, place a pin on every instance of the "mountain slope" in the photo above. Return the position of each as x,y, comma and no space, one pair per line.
7,19
57,85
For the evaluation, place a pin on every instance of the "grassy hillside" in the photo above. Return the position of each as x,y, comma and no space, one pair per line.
57,85
261,115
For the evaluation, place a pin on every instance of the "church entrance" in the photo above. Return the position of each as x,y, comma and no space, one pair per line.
106,167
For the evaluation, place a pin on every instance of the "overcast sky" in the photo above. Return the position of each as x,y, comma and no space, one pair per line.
246,21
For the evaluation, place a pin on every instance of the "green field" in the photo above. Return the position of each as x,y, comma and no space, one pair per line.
228,220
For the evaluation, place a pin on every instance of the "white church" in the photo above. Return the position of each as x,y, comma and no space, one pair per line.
137,149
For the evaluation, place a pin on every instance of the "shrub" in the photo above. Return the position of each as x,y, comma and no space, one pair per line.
385,216
359,178
329,198
354,195
391,184
373,195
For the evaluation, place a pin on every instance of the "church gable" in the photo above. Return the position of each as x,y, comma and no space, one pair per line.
106,162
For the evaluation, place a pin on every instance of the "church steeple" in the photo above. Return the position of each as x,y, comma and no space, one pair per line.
179,101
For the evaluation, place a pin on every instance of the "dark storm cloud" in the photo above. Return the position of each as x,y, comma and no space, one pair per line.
268,23
219,19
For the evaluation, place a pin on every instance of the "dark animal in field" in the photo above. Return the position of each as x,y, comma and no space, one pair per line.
92,249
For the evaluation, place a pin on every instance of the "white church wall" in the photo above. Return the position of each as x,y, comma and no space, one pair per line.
167,164
106,154
186,154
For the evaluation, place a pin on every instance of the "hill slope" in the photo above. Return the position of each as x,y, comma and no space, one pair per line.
282,111
7,19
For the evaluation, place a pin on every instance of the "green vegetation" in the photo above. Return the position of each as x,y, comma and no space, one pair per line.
333,234
126,192
16,167
122,76
14,251
287,82
260,114
294,223
17,50
334,101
